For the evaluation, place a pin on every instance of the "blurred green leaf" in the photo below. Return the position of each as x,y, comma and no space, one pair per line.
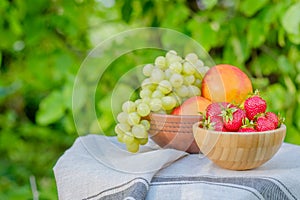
292,135
285,66
51,109
126,10
209,4
203,33
249,8
276,95
264,65
256,33
291,19
236,51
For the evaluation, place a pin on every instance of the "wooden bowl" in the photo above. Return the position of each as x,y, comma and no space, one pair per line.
239,151
174,131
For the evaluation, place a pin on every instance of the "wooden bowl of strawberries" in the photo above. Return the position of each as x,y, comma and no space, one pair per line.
239,138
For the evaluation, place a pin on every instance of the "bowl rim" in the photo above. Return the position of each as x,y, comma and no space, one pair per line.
281,128
174,116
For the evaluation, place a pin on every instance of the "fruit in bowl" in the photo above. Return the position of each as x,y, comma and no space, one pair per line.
239,138
239,150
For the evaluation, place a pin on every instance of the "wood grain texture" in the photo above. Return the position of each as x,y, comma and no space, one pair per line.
239,151
174,131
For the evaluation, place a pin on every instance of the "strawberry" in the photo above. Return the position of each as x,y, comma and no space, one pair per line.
248,126
264,124
274,118
217,124
247,129
233,118
254,105
212,123
215,109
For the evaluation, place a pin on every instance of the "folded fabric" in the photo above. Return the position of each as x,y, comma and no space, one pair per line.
98,167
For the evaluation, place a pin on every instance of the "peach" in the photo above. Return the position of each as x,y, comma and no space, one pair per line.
192,106
226,83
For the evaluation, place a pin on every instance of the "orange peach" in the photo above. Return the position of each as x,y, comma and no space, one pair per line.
192,106
226,83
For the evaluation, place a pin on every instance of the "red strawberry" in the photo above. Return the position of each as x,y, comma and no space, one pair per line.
217,124
233,118
264,124
254,105
215,109
247,129
212,123
273,117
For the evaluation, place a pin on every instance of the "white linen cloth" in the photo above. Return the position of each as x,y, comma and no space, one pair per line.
98,167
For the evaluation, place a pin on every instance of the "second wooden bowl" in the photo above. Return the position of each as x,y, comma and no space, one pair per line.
174,131
239,151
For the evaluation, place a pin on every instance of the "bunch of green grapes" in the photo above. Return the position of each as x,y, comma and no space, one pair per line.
168,82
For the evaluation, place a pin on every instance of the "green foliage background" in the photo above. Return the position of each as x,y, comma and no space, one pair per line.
43,43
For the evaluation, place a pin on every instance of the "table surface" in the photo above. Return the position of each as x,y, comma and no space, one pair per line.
93,168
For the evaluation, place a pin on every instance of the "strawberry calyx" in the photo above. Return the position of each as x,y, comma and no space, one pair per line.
247,123
227,113
281,120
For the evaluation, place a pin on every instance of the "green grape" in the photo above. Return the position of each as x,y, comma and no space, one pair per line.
176,67
161,111
182,91
198,83
171,53
128,138
188,68
138,101
168,102
129,106
120,137
146,124
146,100
157,75
199,64
172,57
201,71
147,70
139,131
143,109
148,84
168,73
165,87
189,80
118,129
191,57
143,141
122,117
133,146
125,127
177,98
176,80
145,92
133,118
157,94
161,62
193,90
155,104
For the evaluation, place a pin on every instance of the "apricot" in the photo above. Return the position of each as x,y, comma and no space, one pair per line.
226,83
192,106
